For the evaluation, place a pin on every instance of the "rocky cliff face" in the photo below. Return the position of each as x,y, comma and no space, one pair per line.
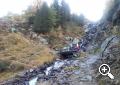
110,53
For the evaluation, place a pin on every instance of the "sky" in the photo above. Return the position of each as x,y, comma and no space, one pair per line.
91,9
14,6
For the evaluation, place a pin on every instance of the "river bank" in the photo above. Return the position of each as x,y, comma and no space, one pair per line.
76,71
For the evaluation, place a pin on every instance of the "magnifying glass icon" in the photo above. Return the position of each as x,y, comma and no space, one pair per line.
104,69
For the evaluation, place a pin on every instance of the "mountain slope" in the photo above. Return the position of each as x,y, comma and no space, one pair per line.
18,53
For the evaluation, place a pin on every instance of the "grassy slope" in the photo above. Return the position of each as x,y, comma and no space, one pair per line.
21,53
57,36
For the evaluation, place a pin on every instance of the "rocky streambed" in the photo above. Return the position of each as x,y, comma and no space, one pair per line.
77,71
70,72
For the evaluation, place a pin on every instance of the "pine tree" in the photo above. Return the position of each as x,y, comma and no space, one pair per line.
75,19
44,19
64,13
55,6
78,19
81,20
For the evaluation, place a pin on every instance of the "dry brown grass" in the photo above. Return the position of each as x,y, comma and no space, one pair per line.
57,36
22,53
7,75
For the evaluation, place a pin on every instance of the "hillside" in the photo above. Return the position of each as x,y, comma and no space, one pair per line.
18,53
111,45
51,46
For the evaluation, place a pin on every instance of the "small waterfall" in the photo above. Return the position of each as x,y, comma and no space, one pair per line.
56,65
33,81
48,70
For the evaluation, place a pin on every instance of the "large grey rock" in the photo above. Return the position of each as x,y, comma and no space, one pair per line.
42,40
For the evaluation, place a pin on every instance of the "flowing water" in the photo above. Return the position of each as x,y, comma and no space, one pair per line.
82,76
33,81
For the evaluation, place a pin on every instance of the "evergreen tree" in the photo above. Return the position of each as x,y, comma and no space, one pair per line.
78,20
31,20
75,19
81,20
64,13
44,19
55,6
